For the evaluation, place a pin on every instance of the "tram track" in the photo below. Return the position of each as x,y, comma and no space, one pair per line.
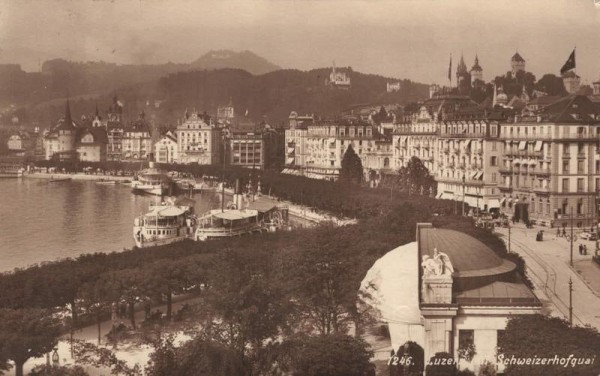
548,281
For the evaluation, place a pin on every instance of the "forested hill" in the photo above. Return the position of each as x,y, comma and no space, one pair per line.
271,96
275,94
58,76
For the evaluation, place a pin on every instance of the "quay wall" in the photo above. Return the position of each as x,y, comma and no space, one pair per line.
46,175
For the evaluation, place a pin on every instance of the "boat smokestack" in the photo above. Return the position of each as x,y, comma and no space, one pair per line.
237,186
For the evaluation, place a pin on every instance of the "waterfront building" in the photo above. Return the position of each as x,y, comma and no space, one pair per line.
551,163
295,137
59,142
22,143
199,140
91,144
136,142
315,147
115,130
246,145
166,149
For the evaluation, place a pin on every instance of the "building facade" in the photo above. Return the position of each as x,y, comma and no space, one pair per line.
551,164
199,140
166,149
59,142
136,142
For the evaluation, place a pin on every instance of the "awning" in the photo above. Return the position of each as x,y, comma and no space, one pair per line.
493,203
538,145
290,150
532,162
522,145
447,196
439,195
472,176
502,200
517,161
289,161
479,175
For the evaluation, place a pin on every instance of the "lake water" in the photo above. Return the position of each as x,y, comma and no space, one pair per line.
41,221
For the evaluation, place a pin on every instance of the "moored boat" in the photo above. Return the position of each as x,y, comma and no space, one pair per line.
106,182
58,180
151,181
167,222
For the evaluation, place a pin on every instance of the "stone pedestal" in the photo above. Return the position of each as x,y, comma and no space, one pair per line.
437,289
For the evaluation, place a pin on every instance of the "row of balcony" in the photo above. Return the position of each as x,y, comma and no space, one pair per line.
516,170
464,151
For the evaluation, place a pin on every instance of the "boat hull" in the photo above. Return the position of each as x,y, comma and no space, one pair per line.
157,191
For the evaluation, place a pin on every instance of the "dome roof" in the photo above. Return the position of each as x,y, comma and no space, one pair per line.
471,259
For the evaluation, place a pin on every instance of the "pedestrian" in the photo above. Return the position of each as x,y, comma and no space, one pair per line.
581,249
564,232
585,249
558,232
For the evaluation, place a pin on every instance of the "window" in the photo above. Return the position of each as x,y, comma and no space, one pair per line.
466,338
579,207
493,146
580,149
493,177
580,185
565,185
493,161
580,166
565,167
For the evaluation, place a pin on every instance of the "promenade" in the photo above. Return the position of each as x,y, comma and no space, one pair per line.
549,269
76,176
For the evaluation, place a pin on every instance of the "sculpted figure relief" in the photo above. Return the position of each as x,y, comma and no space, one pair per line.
438,265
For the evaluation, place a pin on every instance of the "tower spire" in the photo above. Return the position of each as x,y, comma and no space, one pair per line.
68,119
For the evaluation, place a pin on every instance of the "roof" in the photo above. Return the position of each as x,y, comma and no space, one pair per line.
469,256
544,100
169,211
572,109
498,293
570,74
476,66
518,58
99,134
233,215
262,206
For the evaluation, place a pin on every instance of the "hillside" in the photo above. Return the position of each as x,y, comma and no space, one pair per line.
58,76
245,60
271,96
274,95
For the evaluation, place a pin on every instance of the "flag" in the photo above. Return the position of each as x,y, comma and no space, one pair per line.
450,69
570,64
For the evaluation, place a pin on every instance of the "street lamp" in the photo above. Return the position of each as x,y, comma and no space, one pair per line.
55,357
463,200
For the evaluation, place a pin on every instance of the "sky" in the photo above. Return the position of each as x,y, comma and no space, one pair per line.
402,38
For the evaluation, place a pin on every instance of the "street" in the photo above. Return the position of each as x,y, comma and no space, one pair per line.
548,268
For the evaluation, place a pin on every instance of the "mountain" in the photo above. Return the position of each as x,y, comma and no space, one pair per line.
59,76
246,60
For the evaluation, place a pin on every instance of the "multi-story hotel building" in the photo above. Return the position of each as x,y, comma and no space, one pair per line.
315,148
136,142
199,140
551,163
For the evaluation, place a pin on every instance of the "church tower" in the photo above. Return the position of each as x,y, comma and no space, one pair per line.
461,71
66,132
476,71
517,63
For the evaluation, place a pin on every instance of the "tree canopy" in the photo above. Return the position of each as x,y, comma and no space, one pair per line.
543,337
352,168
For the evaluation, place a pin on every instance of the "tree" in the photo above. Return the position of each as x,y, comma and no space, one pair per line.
326,355
551,85
441,364
45,370
246,304
196,357
416,177
352,169
26,333
539,337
